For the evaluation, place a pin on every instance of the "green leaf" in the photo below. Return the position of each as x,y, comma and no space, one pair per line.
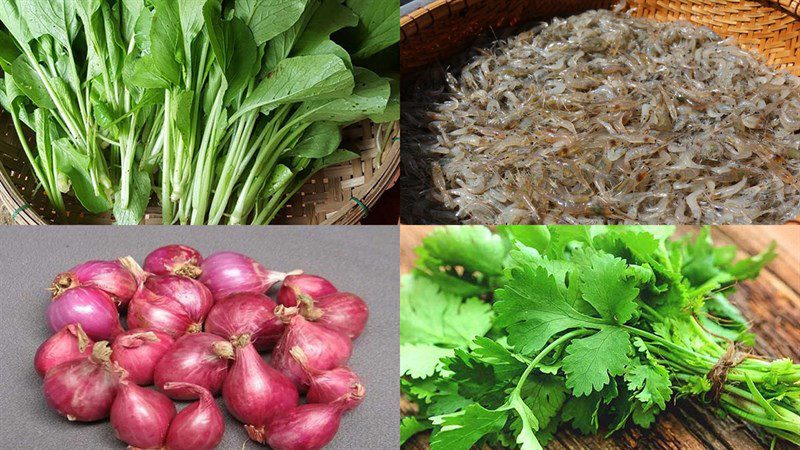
28,82
377,28
750,267
461,430
430,316
233,46
462,259
299,79
422,360
370,96
56,18
582,413
137,204
505,364
8,51
75,167
534,236
392,110
410,426
320,140
605,285
591,361
281,176
651,384
533,309
526,437
281,46
269,18
13,17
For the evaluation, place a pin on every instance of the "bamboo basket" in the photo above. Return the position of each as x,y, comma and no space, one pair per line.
340,194
445,28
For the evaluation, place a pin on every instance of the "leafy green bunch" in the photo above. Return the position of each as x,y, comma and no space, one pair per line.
507,336
222,108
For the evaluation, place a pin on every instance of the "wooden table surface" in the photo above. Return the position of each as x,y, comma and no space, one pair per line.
771,302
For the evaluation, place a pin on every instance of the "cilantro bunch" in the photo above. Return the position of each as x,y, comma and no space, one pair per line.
507,336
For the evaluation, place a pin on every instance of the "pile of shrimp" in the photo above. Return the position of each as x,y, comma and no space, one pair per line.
606,118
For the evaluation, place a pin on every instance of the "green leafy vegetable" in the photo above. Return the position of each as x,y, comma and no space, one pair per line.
589,327
225,107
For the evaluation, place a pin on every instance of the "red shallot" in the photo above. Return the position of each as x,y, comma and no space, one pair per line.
141,416
324,347
169,303
343,311
254,392
69,344
310,285
174,260
199,426
83,389
113,277
137,351
91,307
200,358
326,386
227,273
306,427
246,313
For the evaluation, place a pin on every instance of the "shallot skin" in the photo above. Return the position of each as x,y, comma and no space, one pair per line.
305,427
325,348
311,285
174,260
138,350
343,311
141,416
93,308
199,426
246,313
83,389
227,273
200,358
169,303
194,296
68,344
334,384
110,276
254,392
328,386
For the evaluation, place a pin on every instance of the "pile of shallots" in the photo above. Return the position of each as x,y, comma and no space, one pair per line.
195,330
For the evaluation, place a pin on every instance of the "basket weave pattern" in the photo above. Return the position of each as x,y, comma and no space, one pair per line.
324,199
445,27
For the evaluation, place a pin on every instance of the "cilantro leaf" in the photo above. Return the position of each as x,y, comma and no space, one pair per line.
533,309
462,259
421,360
651,384
526,437
605,285
461,430
505,364
591,360
430,316
410,426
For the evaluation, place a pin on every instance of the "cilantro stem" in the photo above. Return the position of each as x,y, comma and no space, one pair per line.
538,358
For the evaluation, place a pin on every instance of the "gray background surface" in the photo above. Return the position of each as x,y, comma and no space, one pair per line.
363,260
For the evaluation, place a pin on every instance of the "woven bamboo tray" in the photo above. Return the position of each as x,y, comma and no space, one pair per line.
340,194
445,28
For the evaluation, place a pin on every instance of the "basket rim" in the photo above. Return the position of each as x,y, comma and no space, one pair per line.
350,213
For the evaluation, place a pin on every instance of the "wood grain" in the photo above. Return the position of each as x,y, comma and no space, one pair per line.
772,304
